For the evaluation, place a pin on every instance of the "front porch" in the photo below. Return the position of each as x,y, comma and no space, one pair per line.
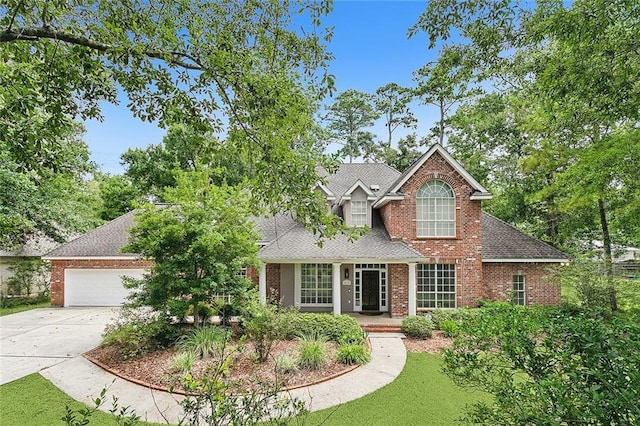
382,323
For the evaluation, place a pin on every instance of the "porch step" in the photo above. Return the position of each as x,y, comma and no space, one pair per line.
381,328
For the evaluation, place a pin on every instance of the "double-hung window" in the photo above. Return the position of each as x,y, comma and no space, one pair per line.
436,286
358,214
435,210
316,284
517,295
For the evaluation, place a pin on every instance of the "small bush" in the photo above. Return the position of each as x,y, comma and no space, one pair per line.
261,328
450,328
183,362
285,363
312,352
418,327
353,354
458,315
337,328
138,331
204,341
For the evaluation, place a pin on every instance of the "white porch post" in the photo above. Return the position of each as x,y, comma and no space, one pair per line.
262,283
412,288
337,302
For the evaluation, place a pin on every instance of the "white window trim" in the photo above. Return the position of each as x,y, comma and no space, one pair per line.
353,214
420,221
298,288
436,292
522,279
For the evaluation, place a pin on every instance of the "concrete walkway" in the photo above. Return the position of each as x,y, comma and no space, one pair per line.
84,381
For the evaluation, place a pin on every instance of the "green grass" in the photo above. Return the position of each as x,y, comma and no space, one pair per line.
421,395
22,308
33,400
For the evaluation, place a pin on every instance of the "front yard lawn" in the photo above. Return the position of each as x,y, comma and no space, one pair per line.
421,395
33,400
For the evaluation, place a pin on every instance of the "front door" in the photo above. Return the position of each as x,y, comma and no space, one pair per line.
370,290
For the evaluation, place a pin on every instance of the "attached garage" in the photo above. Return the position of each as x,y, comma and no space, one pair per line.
97,287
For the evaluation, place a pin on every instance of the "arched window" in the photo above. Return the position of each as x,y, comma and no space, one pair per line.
435,210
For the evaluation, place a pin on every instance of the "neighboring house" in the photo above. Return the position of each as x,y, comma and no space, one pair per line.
33,249
429,246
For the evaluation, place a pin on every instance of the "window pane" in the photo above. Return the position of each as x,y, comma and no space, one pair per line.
316,282
436,286
435,210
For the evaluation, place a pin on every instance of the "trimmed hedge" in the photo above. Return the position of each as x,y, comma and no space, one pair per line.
418,327
438,316
338,328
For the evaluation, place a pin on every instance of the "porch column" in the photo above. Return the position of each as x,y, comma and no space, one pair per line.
337,302
262,283
412,288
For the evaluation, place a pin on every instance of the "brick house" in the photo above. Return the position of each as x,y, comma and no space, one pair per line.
429,245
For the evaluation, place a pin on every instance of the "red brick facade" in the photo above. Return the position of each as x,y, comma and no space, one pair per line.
399,290
464,250
538,289
474,280
58,267
273,281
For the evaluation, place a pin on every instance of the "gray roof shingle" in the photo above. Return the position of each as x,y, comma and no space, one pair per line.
501,241
300,244
105,241
368,173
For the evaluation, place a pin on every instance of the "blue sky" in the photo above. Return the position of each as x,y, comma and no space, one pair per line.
371,49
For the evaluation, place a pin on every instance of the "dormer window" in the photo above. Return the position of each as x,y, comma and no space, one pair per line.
358,213
435,210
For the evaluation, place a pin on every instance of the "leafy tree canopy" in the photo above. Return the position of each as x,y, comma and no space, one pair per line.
199,243
253,71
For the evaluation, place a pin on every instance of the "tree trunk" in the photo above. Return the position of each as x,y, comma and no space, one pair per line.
606,244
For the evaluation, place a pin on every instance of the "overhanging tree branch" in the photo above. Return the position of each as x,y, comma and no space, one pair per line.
181,59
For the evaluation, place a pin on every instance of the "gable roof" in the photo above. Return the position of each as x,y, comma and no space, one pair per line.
369,174
502,242
479,191
367,190
105,241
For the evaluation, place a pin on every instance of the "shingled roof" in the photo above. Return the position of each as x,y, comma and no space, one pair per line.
301,245
105,241
368,173
503,242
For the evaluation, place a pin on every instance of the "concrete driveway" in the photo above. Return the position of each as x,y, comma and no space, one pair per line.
33,340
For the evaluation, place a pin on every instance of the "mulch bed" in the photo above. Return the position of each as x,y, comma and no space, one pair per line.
433,345
155,369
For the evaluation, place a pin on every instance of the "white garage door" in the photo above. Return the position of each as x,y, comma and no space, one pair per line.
97,287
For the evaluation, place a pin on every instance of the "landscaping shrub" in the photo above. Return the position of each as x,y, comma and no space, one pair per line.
260,326
544,365
183,361
353,354
450,328
419,327
337,328
204,341
457,315
285,363
312,352
139,331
